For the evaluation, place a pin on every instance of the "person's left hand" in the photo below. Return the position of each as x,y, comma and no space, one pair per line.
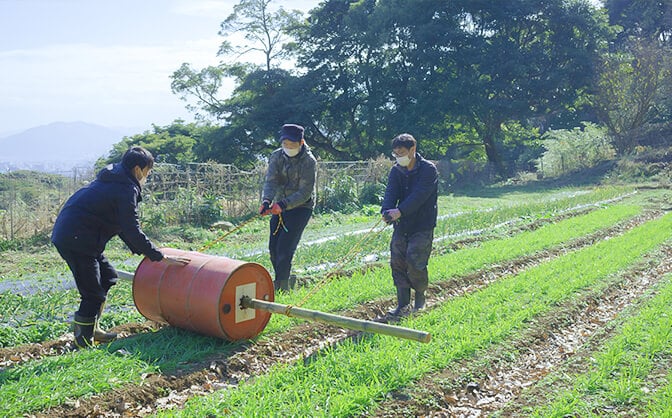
392,215
276,209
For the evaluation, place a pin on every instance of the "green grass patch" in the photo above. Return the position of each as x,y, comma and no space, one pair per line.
350,378
54,380
171,348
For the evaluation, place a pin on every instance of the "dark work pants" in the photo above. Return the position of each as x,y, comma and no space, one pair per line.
282,244
94,277
409,255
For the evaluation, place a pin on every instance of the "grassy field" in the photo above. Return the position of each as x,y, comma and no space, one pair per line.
515,272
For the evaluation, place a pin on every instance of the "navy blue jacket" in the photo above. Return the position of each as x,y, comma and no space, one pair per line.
105,208
414,192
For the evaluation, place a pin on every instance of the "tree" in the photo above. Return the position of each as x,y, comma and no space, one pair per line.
630,87
264,31
649,19
425,66
173,143
258,105
512,61
345,67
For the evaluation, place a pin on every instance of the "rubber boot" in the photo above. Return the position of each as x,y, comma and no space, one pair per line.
419,302
282,285
403,302
83,330
100,335
292,281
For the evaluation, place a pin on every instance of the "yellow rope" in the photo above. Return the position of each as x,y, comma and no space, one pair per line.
353,251
281,223
227,233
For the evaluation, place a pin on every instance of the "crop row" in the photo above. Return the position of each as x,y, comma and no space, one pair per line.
166,349
620,373
44,314
350,378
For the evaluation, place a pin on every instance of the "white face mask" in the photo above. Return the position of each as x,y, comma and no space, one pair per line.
404,161
291,152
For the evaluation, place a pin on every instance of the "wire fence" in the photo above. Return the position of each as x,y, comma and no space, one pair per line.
197,194
201,194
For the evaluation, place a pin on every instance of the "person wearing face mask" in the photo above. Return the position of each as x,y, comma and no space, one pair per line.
410,206
289,196
89,219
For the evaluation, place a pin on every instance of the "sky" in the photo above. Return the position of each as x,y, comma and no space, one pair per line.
104,62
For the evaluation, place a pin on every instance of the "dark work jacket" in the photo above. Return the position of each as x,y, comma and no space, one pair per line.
414,193
105,208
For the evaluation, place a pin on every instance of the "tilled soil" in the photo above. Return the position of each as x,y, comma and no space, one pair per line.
494,384
485,390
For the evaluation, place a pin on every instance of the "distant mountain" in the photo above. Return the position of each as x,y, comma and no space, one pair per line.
57,146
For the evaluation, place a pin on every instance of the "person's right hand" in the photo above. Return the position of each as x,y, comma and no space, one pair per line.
265,208
174,260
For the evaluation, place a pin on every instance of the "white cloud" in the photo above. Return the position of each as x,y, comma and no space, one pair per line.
202,8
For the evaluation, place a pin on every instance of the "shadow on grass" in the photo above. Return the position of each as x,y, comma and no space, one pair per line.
172,349
588,177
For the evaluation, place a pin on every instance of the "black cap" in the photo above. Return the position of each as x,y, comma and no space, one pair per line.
291,132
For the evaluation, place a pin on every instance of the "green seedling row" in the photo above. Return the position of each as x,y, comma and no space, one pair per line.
45,315
618,378
481,219
344,294
55,380
349,379
171,347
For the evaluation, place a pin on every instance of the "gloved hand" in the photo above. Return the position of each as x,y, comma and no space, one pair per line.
276,209
265,208
391,215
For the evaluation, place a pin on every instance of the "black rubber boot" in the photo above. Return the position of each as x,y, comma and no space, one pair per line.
100,335
83,330
419,302
403,302
282,285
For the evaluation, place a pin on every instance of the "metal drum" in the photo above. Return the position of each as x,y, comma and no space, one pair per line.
204,296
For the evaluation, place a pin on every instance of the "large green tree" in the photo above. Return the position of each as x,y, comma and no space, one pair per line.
172,144
650,19
503,61
264,97
427,66
370,69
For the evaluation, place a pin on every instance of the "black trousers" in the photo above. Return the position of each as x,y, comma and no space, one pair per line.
282,242
94,277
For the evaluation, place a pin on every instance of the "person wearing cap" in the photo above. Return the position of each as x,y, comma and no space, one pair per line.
410,206
289,196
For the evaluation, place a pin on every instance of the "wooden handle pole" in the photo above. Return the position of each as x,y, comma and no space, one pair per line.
341,321
124,275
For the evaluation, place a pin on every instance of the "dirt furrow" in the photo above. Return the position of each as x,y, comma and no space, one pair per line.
14,356
301,343
495,381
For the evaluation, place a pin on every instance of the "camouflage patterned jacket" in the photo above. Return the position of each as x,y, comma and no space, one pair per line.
291,180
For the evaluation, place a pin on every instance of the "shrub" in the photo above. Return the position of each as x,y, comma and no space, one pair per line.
372,194
575,149
340,195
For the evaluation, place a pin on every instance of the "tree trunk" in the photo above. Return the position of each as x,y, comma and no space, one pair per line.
489,138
